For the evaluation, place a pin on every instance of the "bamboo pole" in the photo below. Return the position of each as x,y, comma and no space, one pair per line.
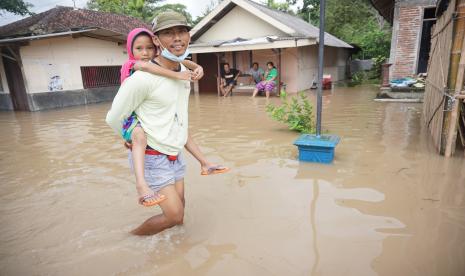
452,134
455,80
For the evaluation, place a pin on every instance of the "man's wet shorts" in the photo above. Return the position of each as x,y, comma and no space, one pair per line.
160,171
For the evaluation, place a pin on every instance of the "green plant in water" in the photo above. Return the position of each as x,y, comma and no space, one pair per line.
296,112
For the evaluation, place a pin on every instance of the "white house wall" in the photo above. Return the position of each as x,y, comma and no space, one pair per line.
289,68
307,67
63,57
4,84
334,65
239,23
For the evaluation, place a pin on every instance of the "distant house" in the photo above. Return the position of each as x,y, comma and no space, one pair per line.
242,32
411,21
62,57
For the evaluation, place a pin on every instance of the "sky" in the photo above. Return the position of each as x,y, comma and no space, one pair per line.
195,7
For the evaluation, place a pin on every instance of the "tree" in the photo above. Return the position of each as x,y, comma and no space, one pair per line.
284,7
143,9
310,11
16,6
353,21
180,8
207,10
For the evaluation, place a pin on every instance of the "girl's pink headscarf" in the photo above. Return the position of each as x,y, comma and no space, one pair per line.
127,66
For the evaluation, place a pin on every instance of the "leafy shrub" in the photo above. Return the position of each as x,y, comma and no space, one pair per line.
296,112
375,72
357,78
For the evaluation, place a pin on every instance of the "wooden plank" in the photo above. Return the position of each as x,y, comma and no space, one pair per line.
15,80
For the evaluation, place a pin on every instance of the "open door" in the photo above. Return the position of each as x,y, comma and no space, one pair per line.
14,76
429,20
209,62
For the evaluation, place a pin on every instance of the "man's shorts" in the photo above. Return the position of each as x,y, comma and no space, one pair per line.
231,82
161,172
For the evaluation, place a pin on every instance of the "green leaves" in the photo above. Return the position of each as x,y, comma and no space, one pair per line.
355,22
143,9
180,8
281,6
296,112
18,7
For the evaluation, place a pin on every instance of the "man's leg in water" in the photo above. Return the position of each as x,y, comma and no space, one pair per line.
228,90
139,144
173,211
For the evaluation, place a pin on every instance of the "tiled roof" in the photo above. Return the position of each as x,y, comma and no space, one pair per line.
62,19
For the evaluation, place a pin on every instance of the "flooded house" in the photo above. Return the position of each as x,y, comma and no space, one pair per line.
412,21
62,57
241,32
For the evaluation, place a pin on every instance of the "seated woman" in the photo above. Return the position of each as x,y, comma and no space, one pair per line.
270,80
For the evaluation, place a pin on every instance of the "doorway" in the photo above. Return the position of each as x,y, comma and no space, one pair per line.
14,77
429,19
209,62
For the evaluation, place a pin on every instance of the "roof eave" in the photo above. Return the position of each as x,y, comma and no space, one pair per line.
36,37
258,46
90,32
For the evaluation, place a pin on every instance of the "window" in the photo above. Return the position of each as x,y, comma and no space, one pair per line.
100,76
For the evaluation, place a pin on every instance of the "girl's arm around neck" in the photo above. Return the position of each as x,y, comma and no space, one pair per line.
156,69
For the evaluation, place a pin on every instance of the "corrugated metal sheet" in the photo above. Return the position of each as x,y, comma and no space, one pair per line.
302,28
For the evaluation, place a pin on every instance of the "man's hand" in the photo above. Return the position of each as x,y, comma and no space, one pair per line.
128,145
197,74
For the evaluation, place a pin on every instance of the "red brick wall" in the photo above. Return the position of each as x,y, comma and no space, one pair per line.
407,42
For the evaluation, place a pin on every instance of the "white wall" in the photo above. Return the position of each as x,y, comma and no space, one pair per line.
4,84
239,23
43,59
307,67
334,65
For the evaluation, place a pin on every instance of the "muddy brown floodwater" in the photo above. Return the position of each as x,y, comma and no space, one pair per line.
388,205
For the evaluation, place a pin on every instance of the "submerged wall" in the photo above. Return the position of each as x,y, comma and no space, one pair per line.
59,99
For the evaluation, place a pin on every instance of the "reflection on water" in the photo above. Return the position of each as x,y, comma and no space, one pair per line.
388,205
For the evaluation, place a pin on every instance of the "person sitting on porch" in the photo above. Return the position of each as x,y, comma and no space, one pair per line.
270,80
228,79
256,73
